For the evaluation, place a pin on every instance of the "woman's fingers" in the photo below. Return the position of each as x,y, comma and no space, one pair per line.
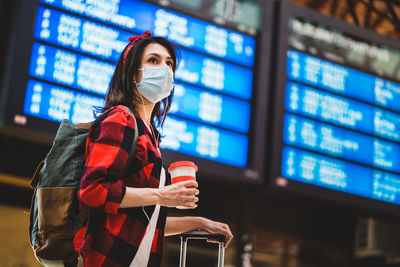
190,201
187,197
226,232
220,228
228,235
188,187
190,183
192,191
180,194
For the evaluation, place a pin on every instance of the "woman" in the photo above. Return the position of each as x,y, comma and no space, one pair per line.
134,220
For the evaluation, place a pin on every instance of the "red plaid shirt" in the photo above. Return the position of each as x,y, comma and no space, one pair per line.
118,233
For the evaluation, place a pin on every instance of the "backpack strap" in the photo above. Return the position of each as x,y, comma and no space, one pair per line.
134,143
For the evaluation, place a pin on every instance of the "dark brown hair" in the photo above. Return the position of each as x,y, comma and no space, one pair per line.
123,91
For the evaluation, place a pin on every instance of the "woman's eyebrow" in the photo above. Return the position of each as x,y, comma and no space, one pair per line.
153,54
157,55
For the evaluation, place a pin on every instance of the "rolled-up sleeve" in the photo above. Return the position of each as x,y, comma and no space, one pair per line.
107,152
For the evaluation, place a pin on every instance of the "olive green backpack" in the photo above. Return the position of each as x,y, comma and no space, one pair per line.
54,216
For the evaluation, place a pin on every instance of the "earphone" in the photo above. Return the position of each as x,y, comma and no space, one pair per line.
157,138
147,216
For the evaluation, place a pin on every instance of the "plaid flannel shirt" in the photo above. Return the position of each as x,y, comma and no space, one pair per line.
117,235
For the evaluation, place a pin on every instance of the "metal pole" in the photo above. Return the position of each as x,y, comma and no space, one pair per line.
221,254
182,261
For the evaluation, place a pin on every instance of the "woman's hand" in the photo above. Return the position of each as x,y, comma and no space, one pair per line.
214,227
179,194
178,225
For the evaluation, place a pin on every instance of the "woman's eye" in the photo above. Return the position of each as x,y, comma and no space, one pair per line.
153,60
169,64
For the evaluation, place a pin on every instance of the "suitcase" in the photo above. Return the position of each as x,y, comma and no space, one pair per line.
202,235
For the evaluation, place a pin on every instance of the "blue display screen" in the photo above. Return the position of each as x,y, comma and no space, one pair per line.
342,80
98,40
80,34
215,75
186,31
208,107
339,175
57,103
343,133
92,75
71,69
74,56
342,111
338,142
208,142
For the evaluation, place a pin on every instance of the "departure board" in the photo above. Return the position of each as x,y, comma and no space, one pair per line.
337,123
75,46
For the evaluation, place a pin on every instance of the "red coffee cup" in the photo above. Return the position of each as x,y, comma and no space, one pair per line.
182,171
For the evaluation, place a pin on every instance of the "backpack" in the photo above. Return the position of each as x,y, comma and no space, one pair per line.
54,216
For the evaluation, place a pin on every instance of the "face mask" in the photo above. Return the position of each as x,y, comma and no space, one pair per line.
156,83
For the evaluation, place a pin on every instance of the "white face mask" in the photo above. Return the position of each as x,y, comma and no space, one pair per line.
156,83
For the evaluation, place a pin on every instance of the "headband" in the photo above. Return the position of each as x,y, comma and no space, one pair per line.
133,40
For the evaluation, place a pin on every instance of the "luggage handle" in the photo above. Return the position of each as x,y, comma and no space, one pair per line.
198,234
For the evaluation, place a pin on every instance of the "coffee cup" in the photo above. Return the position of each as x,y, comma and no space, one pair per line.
182,171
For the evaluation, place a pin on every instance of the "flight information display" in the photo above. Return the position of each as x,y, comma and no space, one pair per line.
76,45
339,122
189,32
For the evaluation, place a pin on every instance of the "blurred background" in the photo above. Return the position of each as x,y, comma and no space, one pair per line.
291,110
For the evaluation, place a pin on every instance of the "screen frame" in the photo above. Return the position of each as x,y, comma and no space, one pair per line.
203,14
282,185
18,62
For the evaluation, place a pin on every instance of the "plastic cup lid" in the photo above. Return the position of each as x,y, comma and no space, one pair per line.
178,164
